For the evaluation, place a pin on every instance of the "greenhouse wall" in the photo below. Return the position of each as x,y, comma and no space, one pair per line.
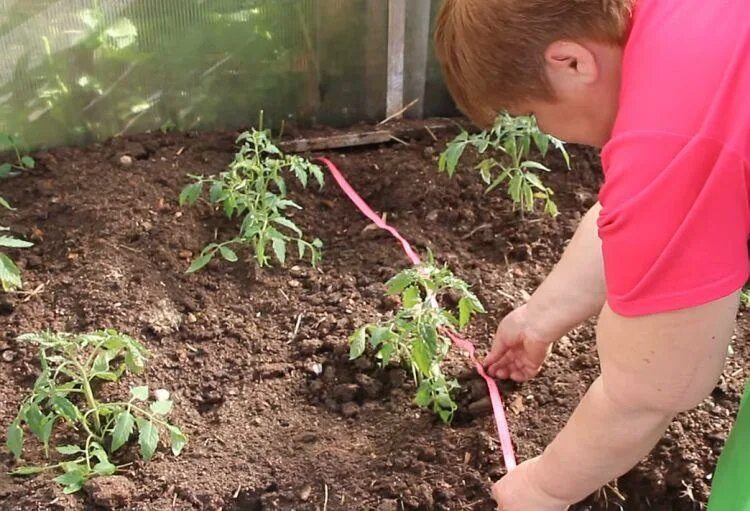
76,71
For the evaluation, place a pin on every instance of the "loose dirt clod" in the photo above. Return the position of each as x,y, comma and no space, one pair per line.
112,492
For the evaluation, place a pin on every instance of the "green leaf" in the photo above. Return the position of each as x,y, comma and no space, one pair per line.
27,470
161,407
228,254
279,249
288,223
446,416
398,283
190,193
123,428
300,248
10,276
215,191
72,481
201,261
177,439
34,418
11,242
410,297
4,203
514,188
428,333
464,312
148,438
448,160
104,468
28,162
65,408
530,164
14,439
386,351
139,393
421,357
69,450
46,431
5,170
424,396
379,335
357,343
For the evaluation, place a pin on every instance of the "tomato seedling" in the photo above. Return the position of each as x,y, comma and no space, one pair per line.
512,137
254,187
10,275
72,367
23,161
415,334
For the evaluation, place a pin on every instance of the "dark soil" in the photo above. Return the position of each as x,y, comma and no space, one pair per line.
238,348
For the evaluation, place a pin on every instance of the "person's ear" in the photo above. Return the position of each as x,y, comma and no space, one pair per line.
568,62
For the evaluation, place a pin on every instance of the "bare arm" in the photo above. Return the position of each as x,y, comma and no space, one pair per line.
653,367
575,290
572,293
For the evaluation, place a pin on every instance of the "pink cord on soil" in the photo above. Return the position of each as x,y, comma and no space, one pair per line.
497,403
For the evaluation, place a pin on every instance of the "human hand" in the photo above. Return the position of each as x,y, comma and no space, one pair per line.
517,352
519,491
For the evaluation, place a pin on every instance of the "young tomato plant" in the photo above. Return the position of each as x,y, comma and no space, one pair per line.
254,187
72,367
415,334
23,161
512,137
10,275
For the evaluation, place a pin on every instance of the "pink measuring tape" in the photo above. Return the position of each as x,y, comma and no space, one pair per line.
497,403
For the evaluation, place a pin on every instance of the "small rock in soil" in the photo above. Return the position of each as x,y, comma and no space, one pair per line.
424,492
329,374
316,386
297,272
363,363
126,160
481,407
310,346
477,389
349,409
274,369
426,453
388,505
396,377
304,493
371,386
345,392
9,355
111,492
163,318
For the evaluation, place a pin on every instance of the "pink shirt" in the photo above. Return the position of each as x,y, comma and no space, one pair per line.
675,220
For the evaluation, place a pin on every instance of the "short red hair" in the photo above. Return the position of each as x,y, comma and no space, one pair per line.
492,51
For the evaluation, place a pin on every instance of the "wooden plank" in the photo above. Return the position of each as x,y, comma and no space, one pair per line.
396,35
336,141
343,140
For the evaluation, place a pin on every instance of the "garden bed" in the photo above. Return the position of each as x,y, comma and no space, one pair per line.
239,348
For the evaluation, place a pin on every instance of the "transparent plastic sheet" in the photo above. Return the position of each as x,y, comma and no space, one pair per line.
76,71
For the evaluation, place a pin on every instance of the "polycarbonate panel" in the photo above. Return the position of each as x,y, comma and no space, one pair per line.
73,71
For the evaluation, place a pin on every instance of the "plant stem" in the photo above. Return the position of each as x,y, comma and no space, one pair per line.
90,398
